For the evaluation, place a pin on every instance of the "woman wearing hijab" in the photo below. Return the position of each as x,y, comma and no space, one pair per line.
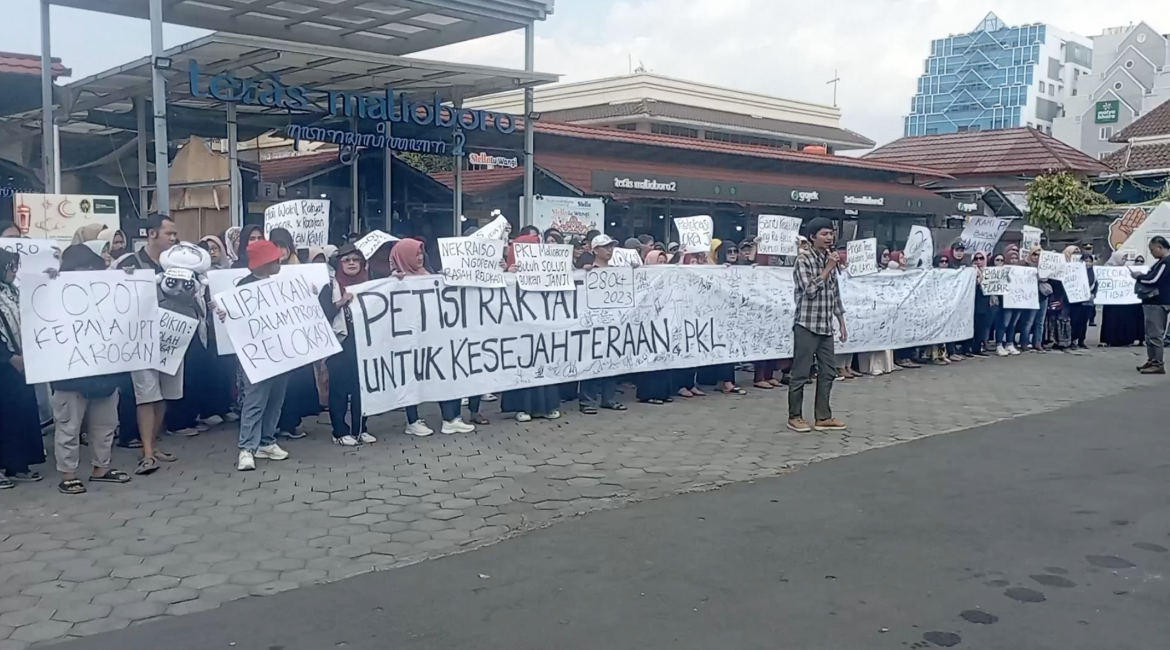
344,388
1031,339
20,428
1123,325
526,403
1058,319
880,363
88,232
248,234
215,248
1083,312
721,375
208,376
10,230
407,259
1009,319
982,309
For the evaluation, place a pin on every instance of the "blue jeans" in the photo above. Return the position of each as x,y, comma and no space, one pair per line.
1038,324
260,412
1027,319
1005,327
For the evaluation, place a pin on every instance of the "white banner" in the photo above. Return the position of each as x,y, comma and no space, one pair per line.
572,215
306,219
497,229
1076,282
1051,265
1023,288
417,343
222,280
175,332
36,255
472,261
996,280
1115,285
982,233
88,323
919,248
370,244
276,325
778,235
1031,238
861,257
58,216
625,257
544,267
694,233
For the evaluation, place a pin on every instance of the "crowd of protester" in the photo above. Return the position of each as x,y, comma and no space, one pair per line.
140,410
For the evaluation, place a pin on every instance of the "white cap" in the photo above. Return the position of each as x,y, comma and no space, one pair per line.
602,240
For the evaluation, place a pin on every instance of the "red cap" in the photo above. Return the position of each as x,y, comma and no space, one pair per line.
261,252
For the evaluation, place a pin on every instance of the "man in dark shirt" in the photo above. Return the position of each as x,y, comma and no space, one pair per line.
1153,288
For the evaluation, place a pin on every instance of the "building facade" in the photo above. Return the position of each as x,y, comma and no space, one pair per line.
1130,78
997,77
650,103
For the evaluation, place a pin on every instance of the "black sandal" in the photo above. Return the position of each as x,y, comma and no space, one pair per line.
147,466
616,406
111,476
589,410
5,482
655,402
72,486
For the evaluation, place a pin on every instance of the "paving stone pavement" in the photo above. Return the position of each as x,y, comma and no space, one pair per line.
198,533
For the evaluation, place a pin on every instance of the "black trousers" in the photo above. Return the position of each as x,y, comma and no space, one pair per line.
1081,313
345,395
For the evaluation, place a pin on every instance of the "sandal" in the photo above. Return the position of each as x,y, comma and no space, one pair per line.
683,392
72,486
133,444
146,466
589,410
735,390
111,476
776,383
5,482
479,419
27,477
616,406
655,402
165,457
764,384
698,393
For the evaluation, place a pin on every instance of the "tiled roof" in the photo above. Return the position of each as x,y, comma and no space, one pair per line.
1136,158
291,168
14,63
1154,123
481,181
602,134
709,116
1003,151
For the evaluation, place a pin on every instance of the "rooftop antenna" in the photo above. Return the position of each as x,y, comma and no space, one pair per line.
641,67
836,80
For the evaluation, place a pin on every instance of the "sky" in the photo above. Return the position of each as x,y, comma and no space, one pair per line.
785,48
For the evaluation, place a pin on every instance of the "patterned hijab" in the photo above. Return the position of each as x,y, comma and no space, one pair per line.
9,304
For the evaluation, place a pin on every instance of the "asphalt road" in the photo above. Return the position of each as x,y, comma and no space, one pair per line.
1045,532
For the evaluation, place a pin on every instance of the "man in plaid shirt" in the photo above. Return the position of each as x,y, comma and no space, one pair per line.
818,303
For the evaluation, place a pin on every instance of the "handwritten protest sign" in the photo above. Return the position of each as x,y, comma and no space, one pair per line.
36,255
1115,285
779,235
1023,288
1031,237
862,257
610,288
472,261
919,248
1076,282
625,257
982,233
694,233
88,323
277,325
544,267
222,280
306,219
1051,265
996,280
175,332
497,229
370,244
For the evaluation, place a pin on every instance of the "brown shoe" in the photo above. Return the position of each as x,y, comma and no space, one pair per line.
1145,365
798,425
832,424
1154,369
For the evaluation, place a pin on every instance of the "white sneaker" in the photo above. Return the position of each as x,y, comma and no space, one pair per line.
271,452
457,426
1001,351
521,416
346,441
1012,350
201,427
233,417
366,439
419,429
213,421
552,415
246,463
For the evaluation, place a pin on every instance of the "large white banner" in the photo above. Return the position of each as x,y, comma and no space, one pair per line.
276,325
306,219
88,323
418,342
1115,285
221,280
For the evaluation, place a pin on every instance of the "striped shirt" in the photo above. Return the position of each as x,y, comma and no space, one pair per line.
818,300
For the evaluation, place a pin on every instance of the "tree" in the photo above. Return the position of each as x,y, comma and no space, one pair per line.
1055,200
428,163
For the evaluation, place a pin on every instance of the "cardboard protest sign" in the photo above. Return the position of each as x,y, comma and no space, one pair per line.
1023,288
778,235
544,267
694,233
1051,265
175,332
1031,237
306,219
996,280
625,257
36,255
497,229
472,261
919,248
1076,282
610,288
370,244
88,323
982,233
277,325
861,256
1115,285
221,280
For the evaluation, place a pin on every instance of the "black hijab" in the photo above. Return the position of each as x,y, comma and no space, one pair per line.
242,251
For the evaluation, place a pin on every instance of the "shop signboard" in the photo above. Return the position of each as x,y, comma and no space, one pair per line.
1106,112
58,216
572,215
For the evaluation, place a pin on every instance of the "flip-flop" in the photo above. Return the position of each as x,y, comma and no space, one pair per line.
146,466
165,457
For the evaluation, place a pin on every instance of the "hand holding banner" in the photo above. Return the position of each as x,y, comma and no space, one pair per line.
472,261
996,280
694,233
778,235
306,219
862,257
221,280
1115,285
544,267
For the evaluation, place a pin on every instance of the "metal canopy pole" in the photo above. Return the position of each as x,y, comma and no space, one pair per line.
162,161
143,170
529,127
48,160
355,220
387,183
458,223
234,166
